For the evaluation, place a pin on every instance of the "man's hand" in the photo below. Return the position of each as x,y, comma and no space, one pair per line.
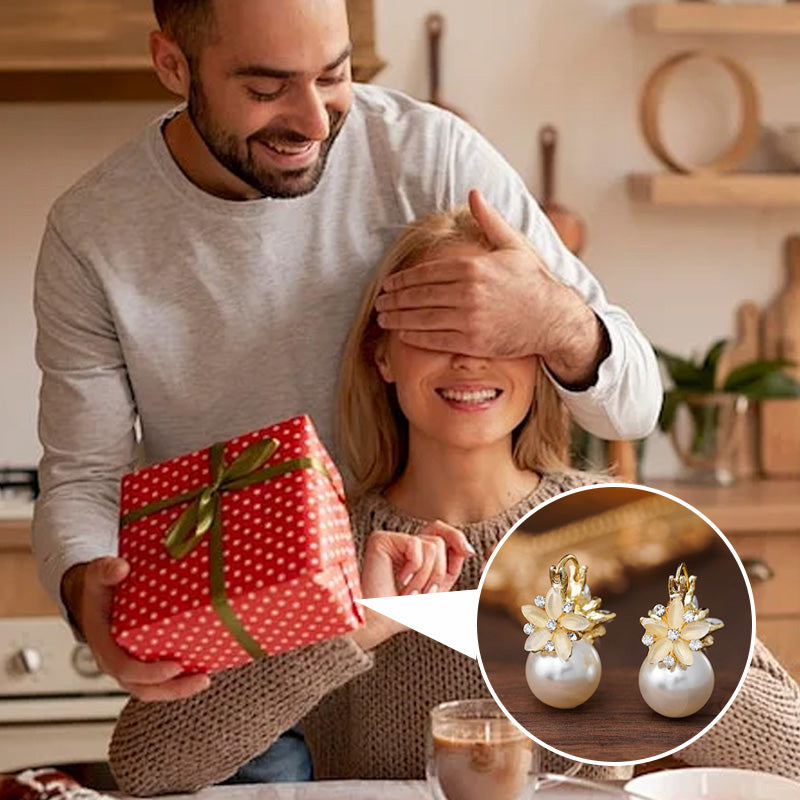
397,564
501,304
87,590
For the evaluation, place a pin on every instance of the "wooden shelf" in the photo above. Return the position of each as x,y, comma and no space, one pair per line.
713,18
710,190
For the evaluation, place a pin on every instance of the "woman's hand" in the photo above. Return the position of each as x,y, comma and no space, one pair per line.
397,564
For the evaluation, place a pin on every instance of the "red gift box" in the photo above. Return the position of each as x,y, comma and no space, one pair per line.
237,552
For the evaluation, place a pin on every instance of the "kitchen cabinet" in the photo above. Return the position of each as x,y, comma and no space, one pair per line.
21,594
761,519
97,50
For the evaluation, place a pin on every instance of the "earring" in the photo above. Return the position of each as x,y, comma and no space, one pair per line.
676,679
563,668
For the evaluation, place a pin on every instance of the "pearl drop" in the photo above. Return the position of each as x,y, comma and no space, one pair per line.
677,692
563,684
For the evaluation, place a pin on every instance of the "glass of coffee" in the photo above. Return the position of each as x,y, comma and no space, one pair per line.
475,752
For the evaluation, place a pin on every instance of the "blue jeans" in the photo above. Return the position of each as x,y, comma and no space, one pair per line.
288,760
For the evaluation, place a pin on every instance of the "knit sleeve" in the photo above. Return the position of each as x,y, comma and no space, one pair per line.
239,716
761,729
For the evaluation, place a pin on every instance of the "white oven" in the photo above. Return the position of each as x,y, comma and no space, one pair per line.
55,705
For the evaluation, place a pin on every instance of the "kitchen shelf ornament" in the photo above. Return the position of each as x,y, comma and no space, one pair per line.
563,668
676,679
747,135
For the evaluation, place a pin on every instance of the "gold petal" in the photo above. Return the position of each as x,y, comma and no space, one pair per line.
563,645
535,615
574,622
658,629
659,649
695,630
536,641
675,613
683,652
599,631
553,604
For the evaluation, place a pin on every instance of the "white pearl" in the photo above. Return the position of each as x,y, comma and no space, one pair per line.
677,692
564,684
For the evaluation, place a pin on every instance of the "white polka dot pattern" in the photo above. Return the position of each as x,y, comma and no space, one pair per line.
290,569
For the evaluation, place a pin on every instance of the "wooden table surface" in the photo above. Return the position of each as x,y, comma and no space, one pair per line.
614,724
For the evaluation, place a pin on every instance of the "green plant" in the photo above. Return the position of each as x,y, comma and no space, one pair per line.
756,380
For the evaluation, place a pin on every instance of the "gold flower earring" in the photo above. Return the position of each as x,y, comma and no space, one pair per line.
563,668
676,679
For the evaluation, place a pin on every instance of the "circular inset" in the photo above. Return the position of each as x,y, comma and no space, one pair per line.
749,126
669,668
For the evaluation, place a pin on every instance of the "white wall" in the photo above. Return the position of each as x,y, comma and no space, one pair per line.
511,65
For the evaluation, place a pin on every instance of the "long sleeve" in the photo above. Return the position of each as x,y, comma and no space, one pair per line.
242,713
761,729
625,400
86,415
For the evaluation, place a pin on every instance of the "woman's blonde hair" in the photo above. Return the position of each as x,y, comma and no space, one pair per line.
372,431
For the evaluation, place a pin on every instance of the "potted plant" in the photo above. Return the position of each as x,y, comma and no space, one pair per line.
715,407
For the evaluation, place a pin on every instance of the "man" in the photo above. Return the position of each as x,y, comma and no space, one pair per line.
201,280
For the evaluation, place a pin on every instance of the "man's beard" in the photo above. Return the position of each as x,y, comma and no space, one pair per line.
227,149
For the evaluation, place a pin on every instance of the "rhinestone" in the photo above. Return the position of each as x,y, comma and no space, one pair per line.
688,616
659,610
573,637
672,634
568,606
538,601
648,639
551,625
695,644
549,647
527,628
668,661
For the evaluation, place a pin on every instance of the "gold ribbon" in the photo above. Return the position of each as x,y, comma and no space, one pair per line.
204,516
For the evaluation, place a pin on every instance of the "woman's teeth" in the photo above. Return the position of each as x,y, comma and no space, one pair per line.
475,396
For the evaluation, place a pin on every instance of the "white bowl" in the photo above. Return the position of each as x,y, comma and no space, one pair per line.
787,143
719,784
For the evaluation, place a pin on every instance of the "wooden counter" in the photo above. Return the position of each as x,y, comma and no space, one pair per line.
751,506
761,519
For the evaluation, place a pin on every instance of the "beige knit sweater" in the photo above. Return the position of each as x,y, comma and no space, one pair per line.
365,713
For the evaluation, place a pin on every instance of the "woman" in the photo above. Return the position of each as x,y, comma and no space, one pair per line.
428,436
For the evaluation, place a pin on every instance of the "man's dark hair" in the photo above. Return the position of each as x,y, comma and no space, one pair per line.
191,23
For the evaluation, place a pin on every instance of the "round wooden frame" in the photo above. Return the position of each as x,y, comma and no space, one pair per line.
749,127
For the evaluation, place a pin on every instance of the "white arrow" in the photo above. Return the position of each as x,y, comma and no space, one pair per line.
449,617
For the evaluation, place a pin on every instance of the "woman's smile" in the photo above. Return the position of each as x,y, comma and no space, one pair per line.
470,397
